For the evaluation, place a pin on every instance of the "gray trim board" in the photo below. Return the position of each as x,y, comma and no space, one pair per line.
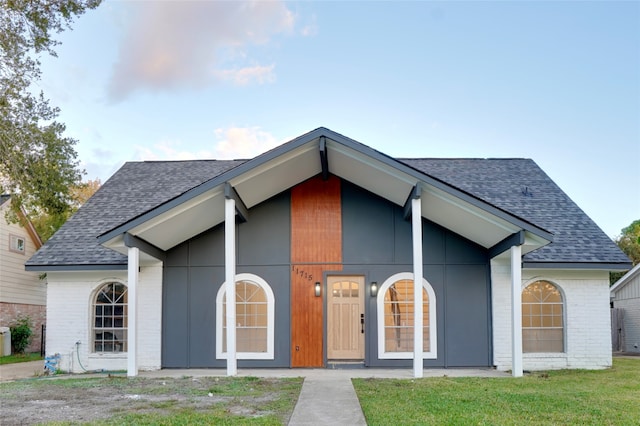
415,194
68,268
133,241
231,194
324,158
515,239
577,265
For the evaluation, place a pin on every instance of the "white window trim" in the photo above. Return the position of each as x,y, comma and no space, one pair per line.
92,353
270,320
14,246
433,328
564,321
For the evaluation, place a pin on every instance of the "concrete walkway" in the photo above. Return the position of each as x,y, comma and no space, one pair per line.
327,400
21,370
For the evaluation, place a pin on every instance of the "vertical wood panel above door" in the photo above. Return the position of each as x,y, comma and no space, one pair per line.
316,222
316,246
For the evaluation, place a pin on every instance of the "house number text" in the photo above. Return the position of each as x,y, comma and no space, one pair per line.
303,274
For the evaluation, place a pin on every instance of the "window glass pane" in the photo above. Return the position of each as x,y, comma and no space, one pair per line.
399,317
102,298
110,320
251,318
354,290
542,318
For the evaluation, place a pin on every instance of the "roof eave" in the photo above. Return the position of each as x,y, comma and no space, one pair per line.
625,279
75,268
395,178
604,266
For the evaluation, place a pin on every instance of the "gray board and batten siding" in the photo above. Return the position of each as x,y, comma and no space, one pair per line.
376,244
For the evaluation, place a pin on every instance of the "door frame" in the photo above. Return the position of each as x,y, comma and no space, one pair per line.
364,310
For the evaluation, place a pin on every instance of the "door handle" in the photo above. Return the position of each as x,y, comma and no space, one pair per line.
362,323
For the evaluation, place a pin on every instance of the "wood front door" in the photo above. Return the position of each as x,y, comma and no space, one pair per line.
345,317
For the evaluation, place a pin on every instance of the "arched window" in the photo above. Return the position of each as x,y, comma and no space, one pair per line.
254,319
110,318
542,318
395,318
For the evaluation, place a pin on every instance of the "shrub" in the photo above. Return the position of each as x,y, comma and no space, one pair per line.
21,331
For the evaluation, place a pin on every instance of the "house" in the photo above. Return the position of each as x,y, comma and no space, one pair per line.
22,293
625,296
320,240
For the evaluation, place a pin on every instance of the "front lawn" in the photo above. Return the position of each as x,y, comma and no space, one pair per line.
12,359
603,397
119,400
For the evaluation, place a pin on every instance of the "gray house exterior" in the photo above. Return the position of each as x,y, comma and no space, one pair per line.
320,240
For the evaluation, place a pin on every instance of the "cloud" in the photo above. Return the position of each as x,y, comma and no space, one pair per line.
231,143
248,75
178,45
243,142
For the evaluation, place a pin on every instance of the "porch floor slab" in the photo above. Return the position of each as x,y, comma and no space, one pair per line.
325,373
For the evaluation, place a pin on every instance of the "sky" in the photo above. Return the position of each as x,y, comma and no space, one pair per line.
557,82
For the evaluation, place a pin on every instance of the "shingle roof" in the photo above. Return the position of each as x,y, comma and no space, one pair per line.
134,189
518,186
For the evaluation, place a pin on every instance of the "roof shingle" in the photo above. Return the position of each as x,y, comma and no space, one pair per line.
517,186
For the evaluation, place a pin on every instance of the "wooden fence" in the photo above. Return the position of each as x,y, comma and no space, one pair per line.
617,329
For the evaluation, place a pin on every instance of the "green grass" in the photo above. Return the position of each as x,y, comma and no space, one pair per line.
12,359
602,397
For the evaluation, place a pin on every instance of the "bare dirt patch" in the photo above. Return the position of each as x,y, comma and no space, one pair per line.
81,400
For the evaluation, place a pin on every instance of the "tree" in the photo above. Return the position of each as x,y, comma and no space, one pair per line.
47,224
629,243
38,165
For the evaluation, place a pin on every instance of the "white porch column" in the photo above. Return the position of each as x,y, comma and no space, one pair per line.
418,337
230,282
132,307
516,311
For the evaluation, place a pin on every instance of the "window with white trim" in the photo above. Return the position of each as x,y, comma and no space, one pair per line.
255,306
542,318
395,305
16,244
110,318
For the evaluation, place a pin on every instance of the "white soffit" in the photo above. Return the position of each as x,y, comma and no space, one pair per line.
286,170
370,174
464,218
279,174
184,221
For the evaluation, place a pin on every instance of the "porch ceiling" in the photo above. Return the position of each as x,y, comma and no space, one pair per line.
263,177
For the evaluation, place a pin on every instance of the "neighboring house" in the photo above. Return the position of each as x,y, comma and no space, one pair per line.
22,293
625,296
319,239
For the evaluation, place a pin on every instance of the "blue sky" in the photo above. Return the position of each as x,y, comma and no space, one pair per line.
558,82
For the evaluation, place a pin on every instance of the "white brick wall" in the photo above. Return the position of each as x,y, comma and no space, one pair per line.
69,316
587,318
